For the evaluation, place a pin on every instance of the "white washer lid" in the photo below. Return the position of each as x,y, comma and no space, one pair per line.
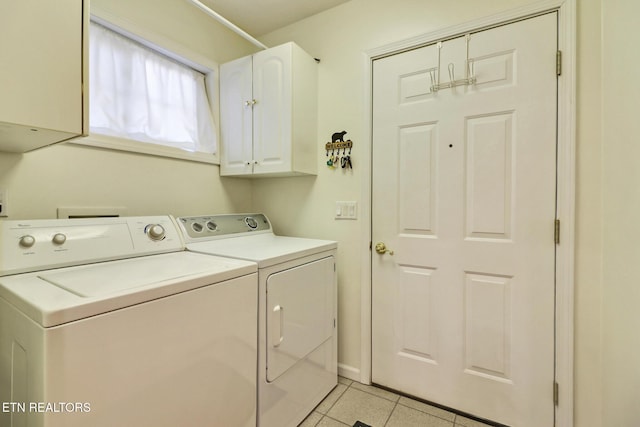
265,249
59,296
104,279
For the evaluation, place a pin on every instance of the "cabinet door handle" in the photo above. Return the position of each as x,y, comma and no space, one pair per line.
250,103
278,336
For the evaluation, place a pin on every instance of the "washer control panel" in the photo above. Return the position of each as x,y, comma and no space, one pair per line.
34,245
198,228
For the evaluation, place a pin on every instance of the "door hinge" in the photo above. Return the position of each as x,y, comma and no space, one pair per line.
559,63
556,232
556,393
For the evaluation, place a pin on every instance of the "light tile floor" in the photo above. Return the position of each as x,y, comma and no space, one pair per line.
351,401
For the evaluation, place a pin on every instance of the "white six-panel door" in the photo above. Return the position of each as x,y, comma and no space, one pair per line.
464,185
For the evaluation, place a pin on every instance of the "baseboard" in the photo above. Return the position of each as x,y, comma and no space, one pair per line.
349,372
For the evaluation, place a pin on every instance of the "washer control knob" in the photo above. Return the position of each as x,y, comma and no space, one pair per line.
251,222
197,227
155,231
58,239
212,226
27,241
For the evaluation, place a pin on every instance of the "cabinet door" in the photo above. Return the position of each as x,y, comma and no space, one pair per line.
236,125
272,110
41,77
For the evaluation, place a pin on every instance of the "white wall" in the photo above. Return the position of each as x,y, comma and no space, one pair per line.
75,176
588,348
70,175
621,207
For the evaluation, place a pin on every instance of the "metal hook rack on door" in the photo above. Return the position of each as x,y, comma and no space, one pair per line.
469,78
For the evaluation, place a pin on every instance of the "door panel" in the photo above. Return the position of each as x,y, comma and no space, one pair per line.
415,291
236,117
272,111
464,194
489,178
488,326
299,313
417,164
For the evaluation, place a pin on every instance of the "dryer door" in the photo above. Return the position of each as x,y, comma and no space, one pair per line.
299,313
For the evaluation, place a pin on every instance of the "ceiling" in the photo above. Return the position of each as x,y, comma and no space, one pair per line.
258,17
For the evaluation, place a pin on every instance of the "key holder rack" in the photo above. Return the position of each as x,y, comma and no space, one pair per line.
337,146
469,78
339,151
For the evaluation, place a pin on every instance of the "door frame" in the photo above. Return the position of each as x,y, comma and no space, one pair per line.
565,192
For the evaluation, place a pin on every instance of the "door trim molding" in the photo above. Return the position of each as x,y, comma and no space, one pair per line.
566,185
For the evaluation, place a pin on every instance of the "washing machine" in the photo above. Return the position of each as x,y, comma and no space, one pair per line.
297,326
110,322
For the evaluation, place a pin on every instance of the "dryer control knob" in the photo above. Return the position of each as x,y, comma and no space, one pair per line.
155,231
27,241
59,239
251,222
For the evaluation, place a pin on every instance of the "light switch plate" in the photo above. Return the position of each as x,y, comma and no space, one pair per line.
346,210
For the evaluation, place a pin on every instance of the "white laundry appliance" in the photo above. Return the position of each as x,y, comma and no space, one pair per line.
297,326
110,322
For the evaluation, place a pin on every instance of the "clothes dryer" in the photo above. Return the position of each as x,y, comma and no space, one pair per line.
297,321
110,322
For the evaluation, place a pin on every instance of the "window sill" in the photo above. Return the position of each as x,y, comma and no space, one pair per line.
121,144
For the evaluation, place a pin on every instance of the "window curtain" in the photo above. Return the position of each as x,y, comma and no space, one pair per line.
139,94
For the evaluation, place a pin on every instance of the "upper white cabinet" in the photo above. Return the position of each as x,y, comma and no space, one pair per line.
42,52
268,113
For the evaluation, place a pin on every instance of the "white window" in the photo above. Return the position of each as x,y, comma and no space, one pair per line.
142,100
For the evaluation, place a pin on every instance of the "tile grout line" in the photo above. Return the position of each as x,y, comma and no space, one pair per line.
453,422
391,413
397,402
326,415
331,418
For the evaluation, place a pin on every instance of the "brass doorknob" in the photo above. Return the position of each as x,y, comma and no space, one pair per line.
381,248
